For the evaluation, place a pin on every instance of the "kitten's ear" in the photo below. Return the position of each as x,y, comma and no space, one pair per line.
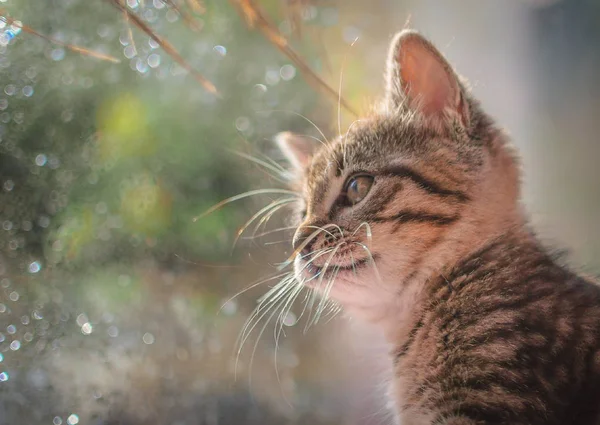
419,77
297,149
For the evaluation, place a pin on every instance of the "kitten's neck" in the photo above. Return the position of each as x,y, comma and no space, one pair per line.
461,242
402,312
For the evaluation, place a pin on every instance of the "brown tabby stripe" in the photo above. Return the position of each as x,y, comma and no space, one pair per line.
424,183
408,216
517,340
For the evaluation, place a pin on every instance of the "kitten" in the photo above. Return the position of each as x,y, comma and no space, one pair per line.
412,222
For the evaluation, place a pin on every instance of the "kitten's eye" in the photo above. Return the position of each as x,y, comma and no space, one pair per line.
357,188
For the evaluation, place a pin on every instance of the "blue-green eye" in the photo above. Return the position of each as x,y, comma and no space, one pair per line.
357,188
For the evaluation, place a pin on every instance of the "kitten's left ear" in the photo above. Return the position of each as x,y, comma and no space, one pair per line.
419,77
298,149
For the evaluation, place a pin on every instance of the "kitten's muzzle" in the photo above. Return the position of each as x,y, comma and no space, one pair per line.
306,238
299,238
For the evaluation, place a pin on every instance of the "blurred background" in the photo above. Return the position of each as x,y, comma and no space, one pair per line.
122,121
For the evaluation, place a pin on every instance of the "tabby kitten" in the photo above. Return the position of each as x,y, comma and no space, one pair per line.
412,221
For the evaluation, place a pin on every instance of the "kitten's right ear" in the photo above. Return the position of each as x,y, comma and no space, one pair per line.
420,78
298,149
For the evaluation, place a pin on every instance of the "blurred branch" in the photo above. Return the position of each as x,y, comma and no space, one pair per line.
188,18
72,47
255,18
197,6
129,32
166,46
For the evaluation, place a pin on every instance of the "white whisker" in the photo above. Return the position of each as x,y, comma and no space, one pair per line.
242,196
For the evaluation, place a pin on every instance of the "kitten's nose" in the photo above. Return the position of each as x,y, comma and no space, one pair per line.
302,233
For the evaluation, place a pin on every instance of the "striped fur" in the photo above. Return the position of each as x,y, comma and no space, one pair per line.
486,327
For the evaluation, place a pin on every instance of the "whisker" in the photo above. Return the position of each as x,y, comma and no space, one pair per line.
262,330
281,289
339,109
259,235
263,221
242,196
325,296
280,174
324,141
275,205
334,310
371,260
322,274
269,301
251,286
277,335
307,241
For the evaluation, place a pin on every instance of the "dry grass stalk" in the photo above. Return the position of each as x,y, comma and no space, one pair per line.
130,32
255,18
167,47
197,6
72,47
188,18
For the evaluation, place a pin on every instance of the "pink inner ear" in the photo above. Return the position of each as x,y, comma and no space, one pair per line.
424,78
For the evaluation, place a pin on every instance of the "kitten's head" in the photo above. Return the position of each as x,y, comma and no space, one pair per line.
405,192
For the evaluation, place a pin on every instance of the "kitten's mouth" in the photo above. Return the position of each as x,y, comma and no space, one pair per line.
314,273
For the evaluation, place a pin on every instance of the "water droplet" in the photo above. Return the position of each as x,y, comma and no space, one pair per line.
14,296
44,221
350,34
287,72
229,308
11,329
172,16
28,336
57,420
132,3
3,377
27,91
158,4
26,226
148,338
113,331
2,337
129,52
25,320
35,267
57,54
3,104
221,50
7,225
82,319
86,329
37,315
154,60
272,77
10,89
153,44
1,357
15,345
2,308
73,419
40,160
141,66
8,185
290,319
260,88
242,123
